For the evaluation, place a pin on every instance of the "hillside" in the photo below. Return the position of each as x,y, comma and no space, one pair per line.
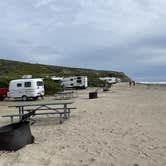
14,69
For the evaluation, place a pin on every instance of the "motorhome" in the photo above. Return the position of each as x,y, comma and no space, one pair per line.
57,79
75,82
26,88
110,80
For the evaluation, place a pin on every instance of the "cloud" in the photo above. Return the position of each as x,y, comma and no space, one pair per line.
118,35
43,3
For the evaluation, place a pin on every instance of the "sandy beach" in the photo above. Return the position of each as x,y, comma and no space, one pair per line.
125,126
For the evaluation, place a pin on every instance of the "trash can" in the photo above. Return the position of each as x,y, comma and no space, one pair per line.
93,95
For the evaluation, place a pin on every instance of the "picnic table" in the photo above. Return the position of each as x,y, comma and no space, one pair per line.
64,95
42,108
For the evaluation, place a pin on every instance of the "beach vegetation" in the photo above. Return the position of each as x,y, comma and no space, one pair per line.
14,70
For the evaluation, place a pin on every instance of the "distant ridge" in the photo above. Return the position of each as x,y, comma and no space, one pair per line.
15,69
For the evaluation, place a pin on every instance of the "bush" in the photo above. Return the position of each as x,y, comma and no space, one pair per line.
93,81
4,82
51,87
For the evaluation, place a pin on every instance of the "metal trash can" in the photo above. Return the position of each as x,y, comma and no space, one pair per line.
93,95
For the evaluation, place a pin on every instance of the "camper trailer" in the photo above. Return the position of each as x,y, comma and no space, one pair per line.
57,79
26,88
75,82
110,80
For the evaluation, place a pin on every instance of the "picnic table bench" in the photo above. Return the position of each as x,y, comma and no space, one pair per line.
25,110
64,95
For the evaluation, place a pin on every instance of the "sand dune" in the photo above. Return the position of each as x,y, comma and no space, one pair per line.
125,126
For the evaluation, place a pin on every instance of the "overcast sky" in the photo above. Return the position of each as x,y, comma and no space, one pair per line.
121,35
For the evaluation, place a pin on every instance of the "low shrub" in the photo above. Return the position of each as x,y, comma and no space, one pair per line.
51,87
4,82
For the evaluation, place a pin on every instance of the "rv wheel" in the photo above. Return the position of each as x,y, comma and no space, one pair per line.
24,98
2,98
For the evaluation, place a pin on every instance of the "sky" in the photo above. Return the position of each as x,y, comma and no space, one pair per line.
120,35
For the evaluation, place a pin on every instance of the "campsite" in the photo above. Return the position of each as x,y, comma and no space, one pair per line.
81,120
82,83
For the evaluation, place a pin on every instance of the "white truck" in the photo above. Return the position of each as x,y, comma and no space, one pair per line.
75,82
26,88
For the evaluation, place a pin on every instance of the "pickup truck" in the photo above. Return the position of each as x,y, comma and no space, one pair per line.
3,93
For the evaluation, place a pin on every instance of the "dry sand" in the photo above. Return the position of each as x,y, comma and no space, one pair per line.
123,127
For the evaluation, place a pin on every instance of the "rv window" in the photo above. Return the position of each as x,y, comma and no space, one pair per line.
19,85
78,77
79,81
39,83
27,84
71,79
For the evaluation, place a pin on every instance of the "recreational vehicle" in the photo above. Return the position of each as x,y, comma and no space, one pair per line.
57,79
110,80
75,82
26,88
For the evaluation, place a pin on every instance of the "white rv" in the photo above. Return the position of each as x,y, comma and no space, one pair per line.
75,82
57,79
110,80
26,88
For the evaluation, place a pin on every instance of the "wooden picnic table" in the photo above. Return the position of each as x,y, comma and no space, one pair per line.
57,107
65,94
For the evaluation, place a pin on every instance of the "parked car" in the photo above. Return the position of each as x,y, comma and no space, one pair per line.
3,93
